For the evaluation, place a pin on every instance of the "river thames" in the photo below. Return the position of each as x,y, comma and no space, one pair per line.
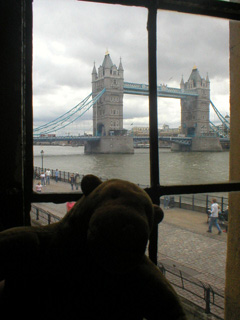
175,167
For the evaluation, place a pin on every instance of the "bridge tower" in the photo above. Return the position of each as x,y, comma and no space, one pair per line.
108,111
195,113
195,110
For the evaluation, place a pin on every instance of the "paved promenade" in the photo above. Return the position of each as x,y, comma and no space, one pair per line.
183,241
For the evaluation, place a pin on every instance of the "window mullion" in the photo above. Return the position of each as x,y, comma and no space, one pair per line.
153,119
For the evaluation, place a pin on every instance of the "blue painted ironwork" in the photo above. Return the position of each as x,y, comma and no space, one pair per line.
64,116
220,132
179,140
224,120
187,141
129,88
138,139
69,117
162,91
46,138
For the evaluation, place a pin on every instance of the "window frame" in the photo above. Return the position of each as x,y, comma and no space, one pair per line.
211,8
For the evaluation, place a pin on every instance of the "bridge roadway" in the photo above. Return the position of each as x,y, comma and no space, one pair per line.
179,140
183,241
187,141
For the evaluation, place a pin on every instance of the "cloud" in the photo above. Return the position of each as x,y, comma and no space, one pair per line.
69,35
186,40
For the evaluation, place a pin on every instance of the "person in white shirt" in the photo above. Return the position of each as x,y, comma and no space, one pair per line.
42,176
48,174
214,216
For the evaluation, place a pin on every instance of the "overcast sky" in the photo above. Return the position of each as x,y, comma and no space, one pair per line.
69,35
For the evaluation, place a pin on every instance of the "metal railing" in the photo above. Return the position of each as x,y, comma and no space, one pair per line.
42,216
210,299
64,176
199,202
194,202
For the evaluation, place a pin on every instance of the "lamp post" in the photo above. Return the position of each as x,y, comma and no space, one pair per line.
42,153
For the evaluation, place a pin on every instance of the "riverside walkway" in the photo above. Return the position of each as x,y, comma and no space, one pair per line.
183,243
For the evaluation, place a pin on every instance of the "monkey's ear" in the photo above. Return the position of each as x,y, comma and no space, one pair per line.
158,214
89,183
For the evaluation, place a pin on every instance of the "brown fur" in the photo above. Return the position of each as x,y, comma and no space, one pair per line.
91,264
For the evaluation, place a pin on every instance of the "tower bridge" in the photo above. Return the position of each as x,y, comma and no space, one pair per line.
108,110
108,89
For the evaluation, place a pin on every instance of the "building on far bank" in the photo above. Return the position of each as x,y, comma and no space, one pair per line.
164,131
140,131
167,131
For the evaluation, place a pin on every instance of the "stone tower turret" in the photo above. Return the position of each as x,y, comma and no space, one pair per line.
120,69
108,111
94,77
182,84
195,110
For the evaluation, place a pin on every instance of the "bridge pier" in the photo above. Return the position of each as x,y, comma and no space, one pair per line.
110,144
206,144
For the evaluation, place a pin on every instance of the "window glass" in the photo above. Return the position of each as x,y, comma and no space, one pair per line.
80,48
193,103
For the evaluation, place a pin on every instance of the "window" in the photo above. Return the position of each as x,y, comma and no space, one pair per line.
154,161
17,171
222,9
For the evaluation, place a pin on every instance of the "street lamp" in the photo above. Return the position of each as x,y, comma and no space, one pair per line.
42,153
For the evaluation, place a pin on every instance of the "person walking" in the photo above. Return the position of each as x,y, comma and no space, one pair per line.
56,175
48,174
214,216
77,181
71,180
42,176
166,202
